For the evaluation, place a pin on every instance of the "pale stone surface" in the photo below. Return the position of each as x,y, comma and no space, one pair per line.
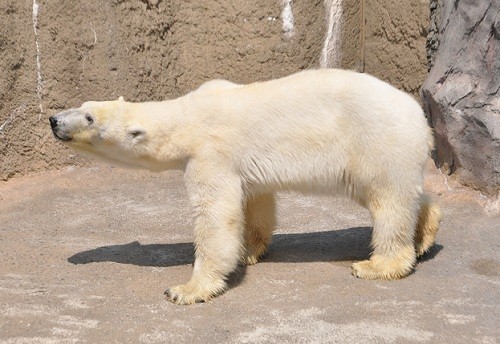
86,254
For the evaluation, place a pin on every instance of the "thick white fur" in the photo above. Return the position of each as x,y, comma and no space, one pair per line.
318,131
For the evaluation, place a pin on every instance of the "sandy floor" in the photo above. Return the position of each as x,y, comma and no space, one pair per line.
86,254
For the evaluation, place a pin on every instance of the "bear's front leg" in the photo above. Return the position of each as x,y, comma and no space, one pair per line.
217,198
260,223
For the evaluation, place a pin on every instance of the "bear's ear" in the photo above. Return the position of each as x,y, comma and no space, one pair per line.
137,133
121,99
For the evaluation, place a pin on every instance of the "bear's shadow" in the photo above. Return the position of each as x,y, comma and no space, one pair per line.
335,245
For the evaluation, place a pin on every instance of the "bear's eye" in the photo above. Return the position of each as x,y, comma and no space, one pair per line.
135,133
89,119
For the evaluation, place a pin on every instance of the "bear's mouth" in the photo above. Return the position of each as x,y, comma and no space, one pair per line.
60,136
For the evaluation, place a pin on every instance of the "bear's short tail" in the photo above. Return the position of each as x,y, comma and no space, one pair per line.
427,226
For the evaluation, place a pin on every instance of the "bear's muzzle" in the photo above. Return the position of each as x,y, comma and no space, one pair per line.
56,129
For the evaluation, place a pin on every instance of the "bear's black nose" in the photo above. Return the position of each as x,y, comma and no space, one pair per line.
53,122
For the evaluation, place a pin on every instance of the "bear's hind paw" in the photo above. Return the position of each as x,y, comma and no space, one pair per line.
371,269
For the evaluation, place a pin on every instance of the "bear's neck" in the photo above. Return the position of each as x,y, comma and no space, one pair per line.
169,132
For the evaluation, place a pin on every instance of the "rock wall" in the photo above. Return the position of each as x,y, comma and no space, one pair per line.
461,93
395,36
57,54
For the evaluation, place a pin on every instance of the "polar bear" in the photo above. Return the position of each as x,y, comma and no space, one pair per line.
317,131
216,86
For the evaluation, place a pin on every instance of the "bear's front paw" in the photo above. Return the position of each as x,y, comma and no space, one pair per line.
255,253
190,293
185,295
251,259
421,248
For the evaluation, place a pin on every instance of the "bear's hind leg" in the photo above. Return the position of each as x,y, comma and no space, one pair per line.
393,253
260,224
427,225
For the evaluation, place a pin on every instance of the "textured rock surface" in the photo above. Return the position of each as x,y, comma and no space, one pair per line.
395,35
57,54
143,50
461,93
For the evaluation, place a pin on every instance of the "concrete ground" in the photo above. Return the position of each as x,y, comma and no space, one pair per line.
86,254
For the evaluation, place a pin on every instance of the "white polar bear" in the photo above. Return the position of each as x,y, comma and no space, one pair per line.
216,86
320,131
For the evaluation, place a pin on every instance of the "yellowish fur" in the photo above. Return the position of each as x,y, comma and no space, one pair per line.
260,223
322,131
429,217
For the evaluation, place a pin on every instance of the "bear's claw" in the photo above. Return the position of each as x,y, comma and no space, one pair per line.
169,296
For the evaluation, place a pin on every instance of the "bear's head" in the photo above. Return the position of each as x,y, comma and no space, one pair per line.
105,130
